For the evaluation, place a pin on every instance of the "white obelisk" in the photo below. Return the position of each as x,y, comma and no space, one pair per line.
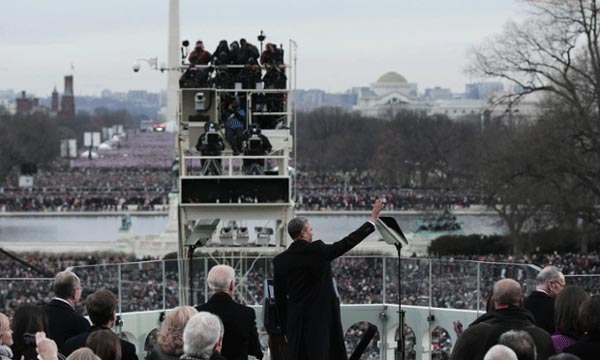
174,62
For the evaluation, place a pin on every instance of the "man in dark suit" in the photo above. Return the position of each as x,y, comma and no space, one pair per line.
239,321
304,293
63,321
101,307
550,282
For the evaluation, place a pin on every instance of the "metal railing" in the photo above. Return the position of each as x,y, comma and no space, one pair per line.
450,290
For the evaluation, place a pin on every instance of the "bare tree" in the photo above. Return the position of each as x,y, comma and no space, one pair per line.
556,53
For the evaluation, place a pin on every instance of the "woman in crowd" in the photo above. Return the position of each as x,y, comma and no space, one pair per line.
566,317
588,346
170,337
105,343
6,340
28,320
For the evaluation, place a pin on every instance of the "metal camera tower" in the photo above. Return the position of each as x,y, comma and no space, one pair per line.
210,200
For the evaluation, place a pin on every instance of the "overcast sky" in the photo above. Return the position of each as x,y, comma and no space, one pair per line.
342,43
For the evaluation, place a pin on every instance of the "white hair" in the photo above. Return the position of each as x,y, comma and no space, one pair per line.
548,274
220,277
500,352
201,334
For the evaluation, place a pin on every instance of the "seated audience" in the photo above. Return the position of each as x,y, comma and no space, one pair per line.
566,317
588,346
105,343
203,337
101,307
169,345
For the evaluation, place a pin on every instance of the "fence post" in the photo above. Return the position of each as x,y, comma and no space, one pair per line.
120,289
478,287
164,282
383,294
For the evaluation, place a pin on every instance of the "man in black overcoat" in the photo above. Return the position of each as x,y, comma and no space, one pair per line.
241,337
550,282
304,294
63,320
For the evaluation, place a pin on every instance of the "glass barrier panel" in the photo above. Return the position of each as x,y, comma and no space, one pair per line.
453,284
489,273
590,283
94,277
359,280
172,283
142,286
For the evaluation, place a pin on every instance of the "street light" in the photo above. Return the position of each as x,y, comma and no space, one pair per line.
261,37
152,62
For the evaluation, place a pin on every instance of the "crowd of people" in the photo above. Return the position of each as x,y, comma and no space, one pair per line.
136,175
358,190
360,280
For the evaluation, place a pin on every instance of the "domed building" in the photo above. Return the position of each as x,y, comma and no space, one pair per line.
388,95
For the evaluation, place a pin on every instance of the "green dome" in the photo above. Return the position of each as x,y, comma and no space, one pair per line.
391,77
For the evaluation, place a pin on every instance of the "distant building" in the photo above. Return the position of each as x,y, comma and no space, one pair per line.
388,95
67,106
438,93
483,90
54,104
26,105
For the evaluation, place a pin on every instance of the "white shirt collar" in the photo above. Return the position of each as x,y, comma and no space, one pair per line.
63,300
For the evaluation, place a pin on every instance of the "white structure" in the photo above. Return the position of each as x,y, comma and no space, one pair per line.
392,93
173,76
388,95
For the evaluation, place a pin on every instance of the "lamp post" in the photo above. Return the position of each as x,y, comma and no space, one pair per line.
261,37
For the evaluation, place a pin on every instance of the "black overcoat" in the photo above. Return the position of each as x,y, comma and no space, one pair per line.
64,322
241,337
306,301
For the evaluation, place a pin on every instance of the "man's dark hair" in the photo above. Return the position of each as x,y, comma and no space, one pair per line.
520,342
101,306
566,310
105,343
295,227
589,315
65,284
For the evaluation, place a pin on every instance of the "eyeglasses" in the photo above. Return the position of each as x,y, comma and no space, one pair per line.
559,283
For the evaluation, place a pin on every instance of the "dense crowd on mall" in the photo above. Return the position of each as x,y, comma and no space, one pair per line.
358,191
86,185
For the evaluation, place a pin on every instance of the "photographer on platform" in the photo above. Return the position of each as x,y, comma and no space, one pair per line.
234,119
199,56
